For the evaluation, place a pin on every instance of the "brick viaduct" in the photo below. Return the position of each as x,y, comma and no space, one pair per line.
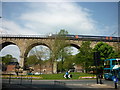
26,43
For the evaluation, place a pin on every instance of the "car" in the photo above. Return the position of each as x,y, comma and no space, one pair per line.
37,73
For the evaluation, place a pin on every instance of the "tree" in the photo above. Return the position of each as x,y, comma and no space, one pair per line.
66,59
63,32
68,63
85,56
106,51
38,54
8,58
32,60
59,43
117,49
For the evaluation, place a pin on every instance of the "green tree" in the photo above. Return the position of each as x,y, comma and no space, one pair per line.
85,56
68,62
37,56
59,43
63,32
106,51
8,58
117,50
32,60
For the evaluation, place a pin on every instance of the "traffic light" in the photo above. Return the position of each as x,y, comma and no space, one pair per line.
96,58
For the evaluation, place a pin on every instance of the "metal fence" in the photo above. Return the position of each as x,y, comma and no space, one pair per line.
14,79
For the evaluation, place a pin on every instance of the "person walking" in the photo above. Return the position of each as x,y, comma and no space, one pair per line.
66,75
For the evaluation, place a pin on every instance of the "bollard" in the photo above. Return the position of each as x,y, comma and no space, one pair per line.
9,78
31,79
21,80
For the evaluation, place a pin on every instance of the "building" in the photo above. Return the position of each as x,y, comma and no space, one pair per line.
11,67
45,68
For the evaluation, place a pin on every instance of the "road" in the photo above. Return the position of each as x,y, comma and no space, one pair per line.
68,84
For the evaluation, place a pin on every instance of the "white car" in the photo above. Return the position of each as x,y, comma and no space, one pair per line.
37,73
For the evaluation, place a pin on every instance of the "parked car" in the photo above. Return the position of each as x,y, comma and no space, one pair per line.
37,73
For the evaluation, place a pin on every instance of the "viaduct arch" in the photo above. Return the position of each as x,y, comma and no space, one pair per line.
26,43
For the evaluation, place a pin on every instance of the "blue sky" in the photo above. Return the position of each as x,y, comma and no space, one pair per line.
40,18
87,18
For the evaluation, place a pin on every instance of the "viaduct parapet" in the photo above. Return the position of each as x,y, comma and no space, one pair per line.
27,42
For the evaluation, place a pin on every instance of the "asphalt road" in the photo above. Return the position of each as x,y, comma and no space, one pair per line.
51,84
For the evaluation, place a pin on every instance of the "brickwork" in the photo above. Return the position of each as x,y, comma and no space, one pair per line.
26,44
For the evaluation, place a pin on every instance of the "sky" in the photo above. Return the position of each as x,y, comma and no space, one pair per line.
43,18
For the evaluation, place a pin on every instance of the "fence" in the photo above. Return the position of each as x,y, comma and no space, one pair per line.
14,79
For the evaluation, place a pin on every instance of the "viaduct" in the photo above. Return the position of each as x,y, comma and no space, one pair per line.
27,42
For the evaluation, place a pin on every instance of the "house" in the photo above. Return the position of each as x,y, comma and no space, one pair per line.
11,67
78,68
45,68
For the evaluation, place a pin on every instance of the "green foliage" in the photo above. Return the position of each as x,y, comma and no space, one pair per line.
8,58
85,56
106,51
32,60
60,66
118,54
68,63
63,32
61,52
58,51
117,50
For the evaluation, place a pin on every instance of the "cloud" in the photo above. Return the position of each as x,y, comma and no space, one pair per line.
51,17
12,27
44,18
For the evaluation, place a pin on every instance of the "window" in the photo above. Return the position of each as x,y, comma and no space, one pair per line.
107,62
116,62
107,71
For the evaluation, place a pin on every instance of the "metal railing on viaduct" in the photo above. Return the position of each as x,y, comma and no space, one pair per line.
69,37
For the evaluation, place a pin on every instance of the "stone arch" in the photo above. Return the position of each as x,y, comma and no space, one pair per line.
31,46
7,43
74,45
71,45
4,44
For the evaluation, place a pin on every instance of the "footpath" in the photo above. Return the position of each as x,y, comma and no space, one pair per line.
58,84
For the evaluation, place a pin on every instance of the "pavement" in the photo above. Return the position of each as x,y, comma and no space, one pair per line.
59,84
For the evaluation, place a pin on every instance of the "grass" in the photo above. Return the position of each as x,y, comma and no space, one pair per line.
75,76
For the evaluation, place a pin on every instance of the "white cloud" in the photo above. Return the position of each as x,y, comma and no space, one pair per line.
44,18
12,27
49,17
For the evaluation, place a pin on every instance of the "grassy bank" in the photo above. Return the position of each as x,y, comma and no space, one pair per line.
75,76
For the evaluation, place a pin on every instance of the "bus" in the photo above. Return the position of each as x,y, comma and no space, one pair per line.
111,68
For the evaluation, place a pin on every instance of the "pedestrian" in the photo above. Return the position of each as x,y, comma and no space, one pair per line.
66,75
115,79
